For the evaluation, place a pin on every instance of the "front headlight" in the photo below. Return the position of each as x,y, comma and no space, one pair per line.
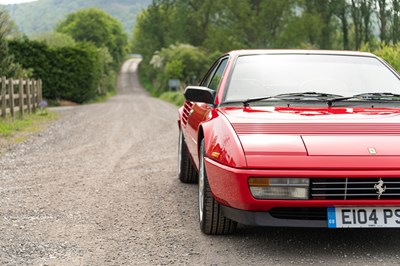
279,188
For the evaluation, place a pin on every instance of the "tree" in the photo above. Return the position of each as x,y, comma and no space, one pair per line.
383,16
96,26
361,12
396,21
182,61
55,39
7,67
341,11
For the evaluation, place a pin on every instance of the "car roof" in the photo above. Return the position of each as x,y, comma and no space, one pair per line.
297,51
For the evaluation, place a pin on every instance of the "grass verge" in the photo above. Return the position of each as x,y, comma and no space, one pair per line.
103,97
17,130
174,97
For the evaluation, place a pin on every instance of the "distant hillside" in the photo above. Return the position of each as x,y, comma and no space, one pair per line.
43,15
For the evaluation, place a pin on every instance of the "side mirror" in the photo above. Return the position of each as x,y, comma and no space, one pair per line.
199,94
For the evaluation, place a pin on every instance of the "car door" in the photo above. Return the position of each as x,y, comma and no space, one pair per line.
197,111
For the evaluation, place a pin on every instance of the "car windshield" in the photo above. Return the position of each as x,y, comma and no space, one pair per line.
342,75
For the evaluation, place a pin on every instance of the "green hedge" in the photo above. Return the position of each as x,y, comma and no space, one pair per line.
69,73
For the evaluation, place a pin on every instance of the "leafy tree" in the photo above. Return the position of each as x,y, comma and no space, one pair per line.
55,39
384,17
34,17
342,12
96,26
185,62
395,21
361,12
7,67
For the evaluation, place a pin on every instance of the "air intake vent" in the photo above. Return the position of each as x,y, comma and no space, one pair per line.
299,213
186,111
355,188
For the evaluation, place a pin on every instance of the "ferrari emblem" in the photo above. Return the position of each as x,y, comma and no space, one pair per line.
380,188
372,151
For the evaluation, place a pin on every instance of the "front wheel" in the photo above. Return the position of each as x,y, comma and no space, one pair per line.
186,171
212,220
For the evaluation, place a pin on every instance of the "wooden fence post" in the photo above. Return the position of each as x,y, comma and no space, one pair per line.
28,95
3,97
21,98
40,90
34,103
11,86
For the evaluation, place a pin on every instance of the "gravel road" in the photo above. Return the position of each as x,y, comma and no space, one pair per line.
99,187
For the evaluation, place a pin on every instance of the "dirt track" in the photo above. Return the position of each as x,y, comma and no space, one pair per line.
100,187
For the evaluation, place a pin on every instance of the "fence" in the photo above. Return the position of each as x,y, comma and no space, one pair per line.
19,95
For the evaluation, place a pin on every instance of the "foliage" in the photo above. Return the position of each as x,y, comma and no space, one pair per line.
389,53
31,123
173,97
222,25
42,16
7,67
69,73
55,39
182,61
96,26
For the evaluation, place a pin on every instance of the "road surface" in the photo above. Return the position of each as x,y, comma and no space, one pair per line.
100,187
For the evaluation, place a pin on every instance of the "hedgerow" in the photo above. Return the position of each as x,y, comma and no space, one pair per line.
69,73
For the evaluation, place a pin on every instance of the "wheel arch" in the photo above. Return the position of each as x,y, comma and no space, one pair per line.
221,142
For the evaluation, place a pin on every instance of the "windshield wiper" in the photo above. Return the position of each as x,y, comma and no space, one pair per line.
327,97
256,99
388,96
293,96
308,95
377,96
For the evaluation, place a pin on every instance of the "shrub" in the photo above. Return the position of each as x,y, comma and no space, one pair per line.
182,61
70,73
389,53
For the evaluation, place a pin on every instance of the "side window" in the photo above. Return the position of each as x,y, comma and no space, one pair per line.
215,80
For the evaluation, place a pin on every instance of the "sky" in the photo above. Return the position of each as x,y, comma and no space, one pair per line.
7,2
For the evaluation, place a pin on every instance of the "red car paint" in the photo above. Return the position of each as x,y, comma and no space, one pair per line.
283,141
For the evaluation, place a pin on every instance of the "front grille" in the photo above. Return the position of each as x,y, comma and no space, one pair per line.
355,188
299,213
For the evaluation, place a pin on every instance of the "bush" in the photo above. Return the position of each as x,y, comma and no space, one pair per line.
182,61
69,73
389,53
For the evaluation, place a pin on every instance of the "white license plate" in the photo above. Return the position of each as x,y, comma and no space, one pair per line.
355,217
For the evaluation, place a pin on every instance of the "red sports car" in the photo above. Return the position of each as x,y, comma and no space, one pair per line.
293,138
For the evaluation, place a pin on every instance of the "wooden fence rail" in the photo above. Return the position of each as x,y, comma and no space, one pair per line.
19,95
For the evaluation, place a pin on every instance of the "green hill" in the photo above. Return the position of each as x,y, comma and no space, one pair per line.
43,15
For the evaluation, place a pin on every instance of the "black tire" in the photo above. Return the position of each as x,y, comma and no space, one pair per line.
212,220
186,171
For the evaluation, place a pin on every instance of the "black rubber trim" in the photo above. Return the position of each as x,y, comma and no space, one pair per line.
265,219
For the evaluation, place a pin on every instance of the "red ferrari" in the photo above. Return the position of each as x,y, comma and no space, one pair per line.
293,138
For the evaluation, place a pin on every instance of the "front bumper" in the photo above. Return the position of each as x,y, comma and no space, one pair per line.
230,188
255,218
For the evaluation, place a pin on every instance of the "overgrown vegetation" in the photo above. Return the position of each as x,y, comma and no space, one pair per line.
96,26
174,97
9,128
183,62
43,16
389,53
69,73
78,62
216,26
